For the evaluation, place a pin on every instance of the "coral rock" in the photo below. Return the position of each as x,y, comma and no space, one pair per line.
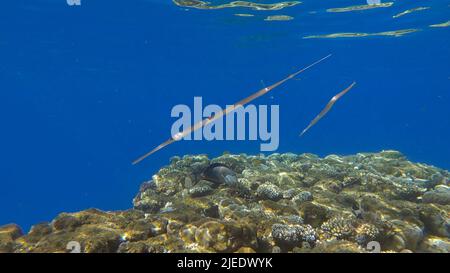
256,203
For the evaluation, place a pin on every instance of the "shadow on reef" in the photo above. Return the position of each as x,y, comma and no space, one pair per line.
278,203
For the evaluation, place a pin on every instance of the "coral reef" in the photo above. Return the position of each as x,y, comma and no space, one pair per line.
277,203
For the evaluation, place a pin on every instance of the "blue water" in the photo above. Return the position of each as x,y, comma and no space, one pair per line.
85,90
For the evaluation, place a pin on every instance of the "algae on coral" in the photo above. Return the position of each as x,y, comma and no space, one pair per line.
279,203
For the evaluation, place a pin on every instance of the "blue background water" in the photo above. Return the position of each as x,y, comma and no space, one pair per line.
85,90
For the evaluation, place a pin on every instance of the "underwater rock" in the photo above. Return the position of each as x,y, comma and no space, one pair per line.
407,190
101,240
277,203
7,247
433,244
9,233
202,188
139,230
333,246
272,207
66,222
436,222
245,250
225,236
314,214
149,201
409,235
137,247
351,181
38,231
440,195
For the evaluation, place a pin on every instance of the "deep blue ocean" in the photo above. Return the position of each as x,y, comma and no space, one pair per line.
84,90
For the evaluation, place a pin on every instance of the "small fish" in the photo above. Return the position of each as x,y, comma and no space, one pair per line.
327,108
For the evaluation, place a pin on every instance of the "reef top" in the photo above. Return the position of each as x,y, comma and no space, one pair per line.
276,203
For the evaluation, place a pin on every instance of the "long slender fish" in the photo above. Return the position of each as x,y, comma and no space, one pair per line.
327,108
225,112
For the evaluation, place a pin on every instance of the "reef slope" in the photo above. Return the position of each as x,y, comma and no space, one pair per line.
277,203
